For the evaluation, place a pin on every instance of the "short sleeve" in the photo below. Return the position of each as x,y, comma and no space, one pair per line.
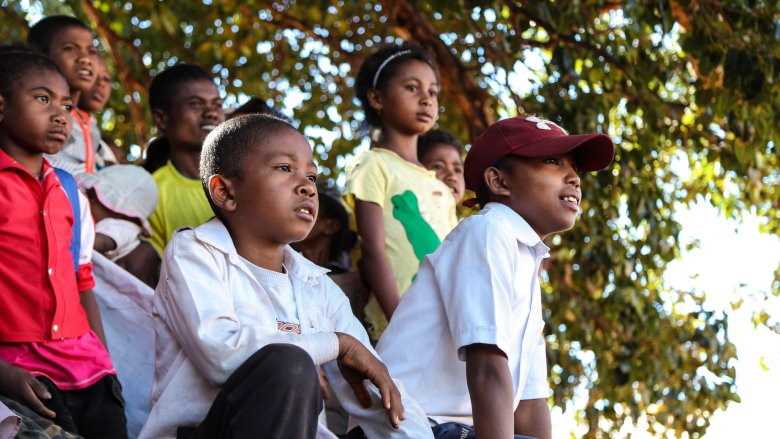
85,280
367,180
477,282
537,386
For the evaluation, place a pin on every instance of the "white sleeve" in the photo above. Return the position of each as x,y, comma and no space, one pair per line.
87,230
196,303
478,286
373,420
536,385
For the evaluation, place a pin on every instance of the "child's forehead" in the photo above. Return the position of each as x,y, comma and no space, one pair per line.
283,143
73,34
42,78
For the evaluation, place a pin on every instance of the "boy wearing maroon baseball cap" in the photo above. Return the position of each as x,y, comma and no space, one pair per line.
466,339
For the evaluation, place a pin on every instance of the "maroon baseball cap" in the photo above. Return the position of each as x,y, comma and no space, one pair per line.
532,137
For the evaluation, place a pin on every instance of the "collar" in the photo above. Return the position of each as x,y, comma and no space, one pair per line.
215,234
519,226
7,162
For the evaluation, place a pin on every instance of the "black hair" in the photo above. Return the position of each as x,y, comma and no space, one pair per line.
167,83
157,154
332,208
226,148
427,141
17,62
365,77
257,106
484,195
43,32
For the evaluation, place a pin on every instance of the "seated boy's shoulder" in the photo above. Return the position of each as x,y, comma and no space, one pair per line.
480,227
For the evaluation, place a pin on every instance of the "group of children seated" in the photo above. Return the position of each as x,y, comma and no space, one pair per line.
258,314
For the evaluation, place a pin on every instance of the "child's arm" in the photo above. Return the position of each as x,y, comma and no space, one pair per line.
90,306
491,391
104,243
357,364
375,267
21,386
532,418
372,420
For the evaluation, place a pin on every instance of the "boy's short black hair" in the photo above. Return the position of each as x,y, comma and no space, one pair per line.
19,61
167,83
41,33
257,106
365,78
225,148
435,137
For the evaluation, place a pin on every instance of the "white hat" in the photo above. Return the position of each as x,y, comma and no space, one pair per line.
125,189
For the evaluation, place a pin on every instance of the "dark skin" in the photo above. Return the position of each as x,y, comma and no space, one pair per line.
546,193
35,120
408,107
274,203
193,111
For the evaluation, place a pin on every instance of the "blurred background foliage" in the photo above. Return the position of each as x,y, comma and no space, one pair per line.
687,89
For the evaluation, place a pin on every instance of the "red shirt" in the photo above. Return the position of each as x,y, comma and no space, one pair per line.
39,293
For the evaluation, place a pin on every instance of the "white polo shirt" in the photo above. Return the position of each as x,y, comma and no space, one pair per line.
480,286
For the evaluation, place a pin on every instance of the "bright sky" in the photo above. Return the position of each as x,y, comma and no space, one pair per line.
732,261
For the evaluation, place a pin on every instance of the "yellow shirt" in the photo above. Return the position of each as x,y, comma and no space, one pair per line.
181,203
418,212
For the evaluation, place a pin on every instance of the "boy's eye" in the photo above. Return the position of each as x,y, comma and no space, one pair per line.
458,170
437,167
42,98
312,178
412,88
68,107
285,168
195,104
553,160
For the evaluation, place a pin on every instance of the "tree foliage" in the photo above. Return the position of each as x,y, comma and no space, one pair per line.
688,90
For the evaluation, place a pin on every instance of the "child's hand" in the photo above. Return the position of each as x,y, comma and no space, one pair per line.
21,386
356,364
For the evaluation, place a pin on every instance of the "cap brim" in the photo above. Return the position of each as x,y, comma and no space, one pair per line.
592,152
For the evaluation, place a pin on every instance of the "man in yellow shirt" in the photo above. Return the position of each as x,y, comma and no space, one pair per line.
186,106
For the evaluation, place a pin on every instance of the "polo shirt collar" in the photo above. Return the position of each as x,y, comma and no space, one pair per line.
522,230
215,234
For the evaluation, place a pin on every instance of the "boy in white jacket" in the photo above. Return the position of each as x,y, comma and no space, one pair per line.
242,320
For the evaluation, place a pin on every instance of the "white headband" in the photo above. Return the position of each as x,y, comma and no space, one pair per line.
382,66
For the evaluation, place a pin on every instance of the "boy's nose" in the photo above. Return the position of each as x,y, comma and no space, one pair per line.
307,189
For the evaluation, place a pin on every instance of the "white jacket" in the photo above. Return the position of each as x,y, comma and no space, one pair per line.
211,315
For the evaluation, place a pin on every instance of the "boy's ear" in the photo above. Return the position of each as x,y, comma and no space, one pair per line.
374,99
494,181
160,119
221,193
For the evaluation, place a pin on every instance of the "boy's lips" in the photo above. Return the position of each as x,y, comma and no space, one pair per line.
307,211
424,116
208,126
85,73
58,134
571,199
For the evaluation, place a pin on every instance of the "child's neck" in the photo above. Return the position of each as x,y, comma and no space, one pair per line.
186,161
402,144
31,161
270,258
